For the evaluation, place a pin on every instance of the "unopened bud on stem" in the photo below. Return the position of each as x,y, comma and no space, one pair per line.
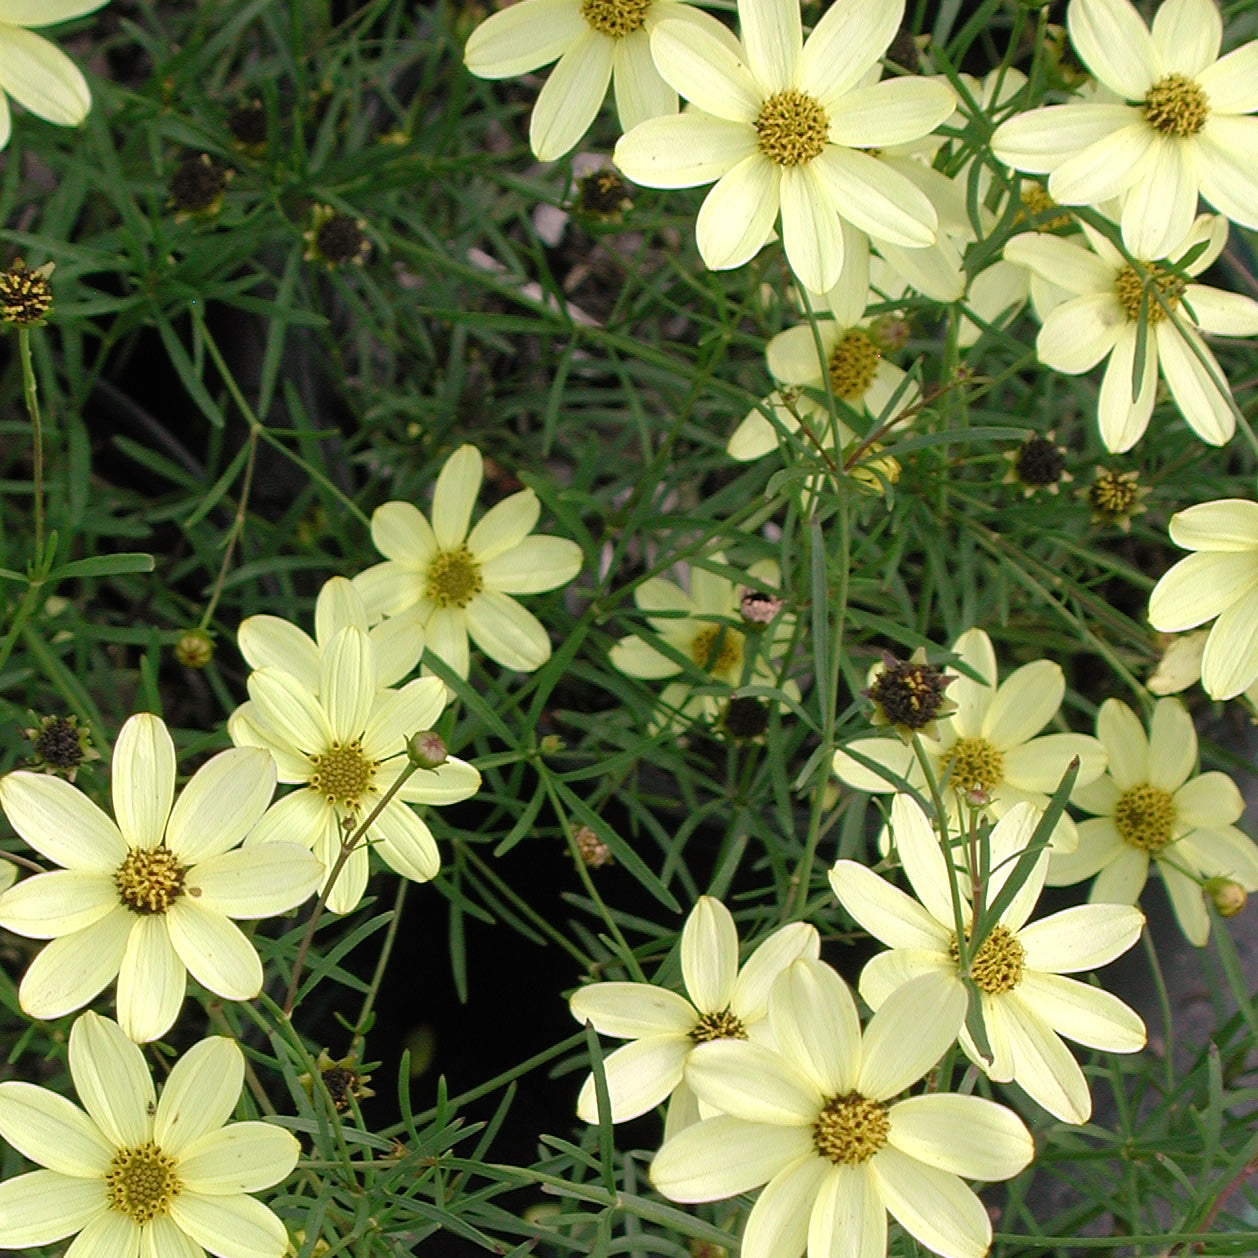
426,749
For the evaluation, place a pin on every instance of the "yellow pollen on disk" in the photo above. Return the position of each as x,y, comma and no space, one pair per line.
1130,284
615,18
1176,106
792,128
454,578
1145,817
342,773
718,650
850,1129
149,880
997,966
717,1026
1037,205
975,764
141,1182
852,365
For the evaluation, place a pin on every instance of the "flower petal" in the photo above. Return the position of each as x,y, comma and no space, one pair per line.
533,565
258,881
1230,662
565,107
241,1157
811,233
214,949
909,1033
142,779
815,1025
1040,140
932,1205
892,917
640,91
1079,333
1122,880
1228,179
200,1094
1122,417
399,530
222,802
778,1222
1199,587
1114,43
52,1131
723,1156
1231,83
1187,35
1043,1066
737,215
230,1227
107,1235
405,843
72,970
43,1206
37,74
271,642
348,680
289,712
684,150
58,903
61,823
848,1216
151,980
508,633
874,198
632,1010
639,1076
111,1079
749,1002
846,42
1023,704
964,1135
522,37
707,71
1082,938
709,955
1082,1013
458,485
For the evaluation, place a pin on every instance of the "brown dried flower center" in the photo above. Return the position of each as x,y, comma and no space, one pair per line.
1175,105
141,1182
615,18
852,365
909,694
718,650
454,578
1144,817
1130,286
850,1129
975,764
717,1026
342,773
792,128
998,964
149,880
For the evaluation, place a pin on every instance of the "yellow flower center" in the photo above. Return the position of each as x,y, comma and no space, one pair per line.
1177,106
717,1026
454,578
1144,817
718,650
975,764
141,1182
615,18
149,880
792,128
850,1129
1037,206
342,773
852,365
1130,286
997,966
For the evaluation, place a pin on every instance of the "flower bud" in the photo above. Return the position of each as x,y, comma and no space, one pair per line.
1227,896
195,648
426,749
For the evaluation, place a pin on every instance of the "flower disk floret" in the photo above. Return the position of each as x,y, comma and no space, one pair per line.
1151,808
782,126
1025,1003
450,582
1185,127
149,899
816,1120
134,1173
722,1002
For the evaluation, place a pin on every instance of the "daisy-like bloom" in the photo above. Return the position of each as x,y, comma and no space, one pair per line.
137,1175
1182,131
1025,1002
988,745
595,42
450,582
1150,807
150,897
859,376
1219,579
782,125
818,1123
1111,300
725,1002
37,73
345,745
272,642
707,627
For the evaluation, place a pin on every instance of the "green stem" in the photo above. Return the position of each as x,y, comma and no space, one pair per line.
37,435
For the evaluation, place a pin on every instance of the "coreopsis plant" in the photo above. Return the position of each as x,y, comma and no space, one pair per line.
1177,124
1018,969
987,747
273,642
815,1118
134,1173
451,582
344,744
1114,307
595,42
148,898
34,71
710,639
1220,579
722,1001
1150,808
782,126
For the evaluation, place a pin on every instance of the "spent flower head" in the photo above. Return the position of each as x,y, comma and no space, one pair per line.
60,745
25,295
